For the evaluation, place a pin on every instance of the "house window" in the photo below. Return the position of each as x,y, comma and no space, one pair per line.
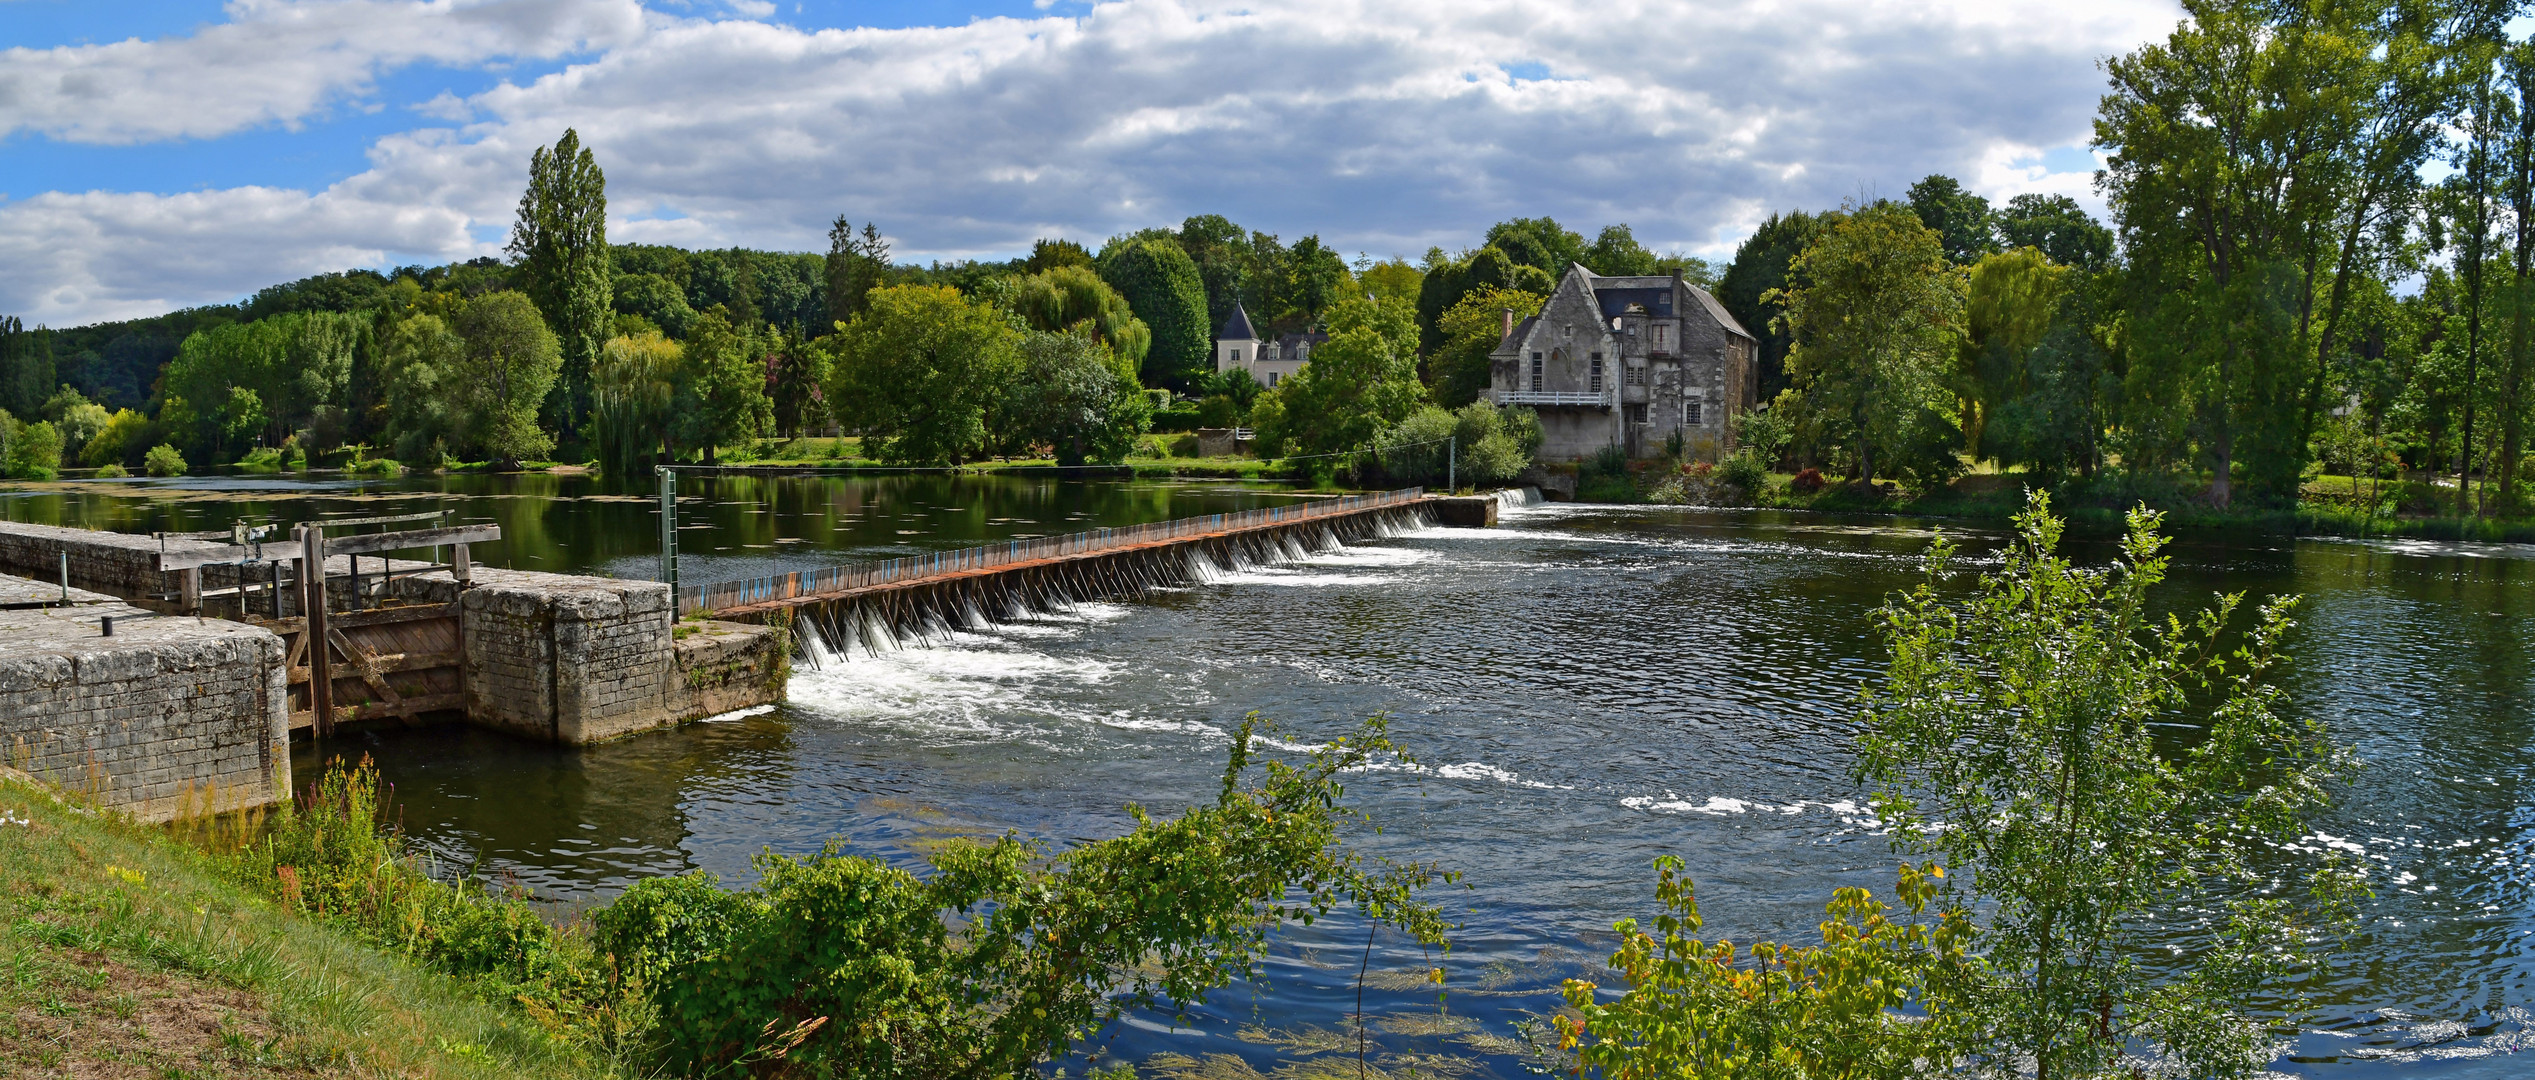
1236,356
1536,377
1659,335
1275,375
1637,375
1593,384
1636,413
1690,415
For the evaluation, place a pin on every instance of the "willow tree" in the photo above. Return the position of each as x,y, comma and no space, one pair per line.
1069,297
560,245
631,391
1873,326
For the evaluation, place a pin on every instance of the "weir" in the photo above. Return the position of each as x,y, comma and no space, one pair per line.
878,605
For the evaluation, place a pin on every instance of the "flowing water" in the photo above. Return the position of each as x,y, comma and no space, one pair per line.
1585,689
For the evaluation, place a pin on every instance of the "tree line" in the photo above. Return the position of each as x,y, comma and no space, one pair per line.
2283,288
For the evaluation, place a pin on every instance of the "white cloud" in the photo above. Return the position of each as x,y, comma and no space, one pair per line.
1383,126
280,61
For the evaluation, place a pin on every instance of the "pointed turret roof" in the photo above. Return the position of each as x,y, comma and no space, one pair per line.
1237,327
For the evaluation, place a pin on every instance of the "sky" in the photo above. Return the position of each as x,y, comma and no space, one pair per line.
158,154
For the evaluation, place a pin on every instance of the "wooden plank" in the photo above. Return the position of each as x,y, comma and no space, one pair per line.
386,615
374,543
275,551
303,720
368,670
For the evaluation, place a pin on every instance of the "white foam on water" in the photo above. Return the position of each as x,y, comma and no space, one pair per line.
952,688
1468,770
738,714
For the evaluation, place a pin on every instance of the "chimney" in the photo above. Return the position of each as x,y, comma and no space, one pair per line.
1509,325
1676,277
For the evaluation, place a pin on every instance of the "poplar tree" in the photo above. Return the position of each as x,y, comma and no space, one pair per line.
560,245
857,263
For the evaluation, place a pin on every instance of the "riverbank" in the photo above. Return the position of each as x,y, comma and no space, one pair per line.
129,950
1993,499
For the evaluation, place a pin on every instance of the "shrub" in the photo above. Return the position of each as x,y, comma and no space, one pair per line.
1744,470
1807,481
111,471
262,459
163,460
1007,953
36,452
1177,419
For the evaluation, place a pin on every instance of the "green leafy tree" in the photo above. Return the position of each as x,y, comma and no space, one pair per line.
506,364
2263,164
856,264
2058,227
1046,255
164,460
722,400
26,366
293,364
1692,1009
2010,303
1752,288
1540,243
1473,329
658,300
918,371
1873,324
34,451
1616,253
559,244
1449,280
1358,383
634,394
1163,289
1007,954
241,416
795,374
2026,734
419,361
1067,297
119,442
1392,280
1225,259
1075,397
1479,443
1958,216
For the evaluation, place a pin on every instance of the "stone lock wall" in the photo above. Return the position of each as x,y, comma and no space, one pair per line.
170,716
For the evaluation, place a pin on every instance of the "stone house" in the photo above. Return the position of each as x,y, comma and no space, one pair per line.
1628,362
1238,345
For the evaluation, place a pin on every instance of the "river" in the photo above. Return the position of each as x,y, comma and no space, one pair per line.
1586,688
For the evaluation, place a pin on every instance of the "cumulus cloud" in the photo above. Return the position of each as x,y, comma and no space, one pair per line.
1383,126
278,61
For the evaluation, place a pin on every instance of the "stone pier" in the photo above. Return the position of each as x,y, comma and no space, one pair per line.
556,657
167,716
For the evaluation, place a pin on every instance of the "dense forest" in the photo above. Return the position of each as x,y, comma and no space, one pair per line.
2281,291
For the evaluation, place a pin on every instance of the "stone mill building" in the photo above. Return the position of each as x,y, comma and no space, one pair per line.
1628,362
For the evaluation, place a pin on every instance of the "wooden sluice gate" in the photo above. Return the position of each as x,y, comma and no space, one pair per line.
878,605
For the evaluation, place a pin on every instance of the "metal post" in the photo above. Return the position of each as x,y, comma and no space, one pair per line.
65,576
669,532
312,555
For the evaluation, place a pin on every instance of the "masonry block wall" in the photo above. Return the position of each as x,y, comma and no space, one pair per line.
587,659
169,716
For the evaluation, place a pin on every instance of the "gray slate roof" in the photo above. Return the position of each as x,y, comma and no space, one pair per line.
1237,328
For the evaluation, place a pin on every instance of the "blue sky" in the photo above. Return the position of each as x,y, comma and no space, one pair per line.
157,154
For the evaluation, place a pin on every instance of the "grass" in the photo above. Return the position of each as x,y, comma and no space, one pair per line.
127,953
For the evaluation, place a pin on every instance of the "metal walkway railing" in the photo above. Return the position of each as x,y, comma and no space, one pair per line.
724,595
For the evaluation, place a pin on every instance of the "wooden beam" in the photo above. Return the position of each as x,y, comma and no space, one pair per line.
223,553
373,543
379,710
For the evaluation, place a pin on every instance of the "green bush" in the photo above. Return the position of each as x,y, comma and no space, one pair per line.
262,459
112,471
36,452
1743,470
163,460
1177,419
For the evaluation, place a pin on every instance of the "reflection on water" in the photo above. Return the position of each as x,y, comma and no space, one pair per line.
1585,689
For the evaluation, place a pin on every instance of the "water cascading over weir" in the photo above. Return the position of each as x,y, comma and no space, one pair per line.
880,606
